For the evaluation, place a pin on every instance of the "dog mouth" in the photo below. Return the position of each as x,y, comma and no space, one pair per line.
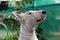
38,20
43,18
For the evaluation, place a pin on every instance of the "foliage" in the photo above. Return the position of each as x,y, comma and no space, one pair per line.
10,35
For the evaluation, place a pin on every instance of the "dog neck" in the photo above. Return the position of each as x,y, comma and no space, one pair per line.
27,29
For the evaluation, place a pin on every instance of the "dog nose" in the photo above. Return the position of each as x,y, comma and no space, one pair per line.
44,12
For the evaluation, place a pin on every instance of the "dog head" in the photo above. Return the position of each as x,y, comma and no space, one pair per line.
32,17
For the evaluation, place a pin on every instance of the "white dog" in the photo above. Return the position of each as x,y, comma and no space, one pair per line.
28,21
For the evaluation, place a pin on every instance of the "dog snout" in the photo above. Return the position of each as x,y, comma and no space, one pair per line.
43,12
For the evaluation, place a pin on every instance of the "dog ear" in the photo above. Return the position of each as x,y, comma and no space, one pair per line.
18,16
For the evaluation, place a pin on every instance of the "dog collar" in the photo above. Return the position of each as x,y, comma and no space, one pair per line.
26,34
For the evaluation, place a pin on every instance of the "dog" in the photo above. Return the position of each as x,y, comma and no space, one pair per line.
28,20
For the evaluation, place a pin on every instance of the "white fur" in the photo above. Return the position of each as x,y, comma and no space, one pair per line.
28,21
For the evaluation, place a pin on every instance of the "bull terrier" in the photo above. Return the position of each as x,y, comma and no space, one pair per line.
28,21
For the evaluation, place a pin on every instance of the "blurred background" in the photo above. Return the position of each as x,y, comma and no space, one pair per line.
49,29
